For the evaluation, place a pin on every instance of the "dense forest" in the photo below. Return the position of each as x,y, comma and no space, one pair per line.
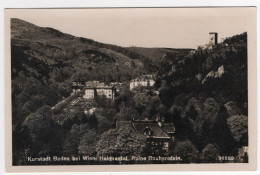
206,96
203,92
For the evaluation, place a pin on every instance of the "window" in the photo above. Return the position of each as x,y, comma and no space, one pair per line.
166,145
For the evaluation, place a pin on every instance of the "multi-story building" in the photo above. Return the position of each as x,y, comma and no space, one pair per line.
91,92
108,91
145,81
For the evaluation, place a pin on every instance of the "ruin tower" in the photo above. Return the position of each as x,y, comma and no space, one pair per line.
213,38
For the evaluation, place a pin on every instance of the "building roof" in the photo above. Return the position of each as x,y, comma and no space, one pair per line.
157,131
168,128
100,87
142,79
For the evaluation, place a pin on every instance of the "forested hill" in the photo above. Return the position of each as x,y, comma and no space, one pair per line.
45,62
155,54
206,94
87,58
220,72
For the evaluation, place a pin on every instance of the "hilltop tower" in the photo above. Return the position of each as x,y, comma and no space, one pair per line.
213,38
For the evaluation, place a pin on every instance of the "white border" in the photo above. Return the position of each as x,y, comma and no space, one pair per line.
113,3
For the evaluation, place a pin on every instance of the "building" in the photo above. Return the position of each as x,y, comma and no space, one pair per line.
145,81
94,84
94,88
117,85
213,41
155,134
76,87
108,91
213,38
91,92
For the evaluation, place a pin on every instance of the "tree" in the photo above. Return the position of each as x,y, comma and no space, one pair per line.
177,119
162,111
222,135
126,113
210,111
166,95
21,140
106,146
129,142
123,141
238,125
187,151
39,123
103,123
141,100
73,138
154,148
46,136
88,143
192,113
210,154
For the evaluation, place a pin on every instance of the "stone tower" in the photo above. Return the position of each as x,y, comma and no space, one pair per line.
213,38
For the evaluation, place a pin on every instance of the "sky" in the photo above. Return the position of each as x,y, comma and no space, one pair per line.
142,27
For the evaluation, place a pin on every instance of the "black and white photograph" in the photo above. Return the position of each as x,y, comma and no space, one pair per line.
129,86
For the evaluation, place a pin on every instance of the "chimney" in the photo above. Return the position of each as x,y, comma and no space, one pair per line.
160,120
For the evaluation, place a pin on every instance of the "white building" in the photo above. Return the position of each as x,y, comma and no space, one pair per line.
141,82
108,91
89,93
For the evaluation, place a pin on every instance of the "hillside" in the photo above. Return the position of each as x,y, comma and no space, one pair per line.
206,93
219,72
156,53
45,62
56,49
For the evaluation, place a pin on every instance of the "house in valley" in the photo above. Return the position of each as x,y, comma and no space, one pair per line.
145,81
95,88
156,133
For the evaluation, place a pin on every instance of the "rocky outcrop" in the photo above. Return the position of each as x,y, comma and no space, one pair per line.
212,74
232,108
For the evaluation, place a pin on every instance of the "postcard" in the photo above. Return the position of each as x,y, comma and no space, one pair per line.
130,89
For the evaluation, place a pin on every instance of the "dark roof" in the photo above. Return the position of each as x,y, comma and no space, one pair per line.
168,127
157,131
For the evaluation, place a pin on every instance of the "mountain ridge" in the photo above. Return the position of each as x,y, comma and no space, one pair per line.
50,61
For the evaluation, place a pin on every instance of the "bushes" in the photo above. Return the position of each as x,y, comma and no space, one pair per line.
187,151
210,154
238,125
